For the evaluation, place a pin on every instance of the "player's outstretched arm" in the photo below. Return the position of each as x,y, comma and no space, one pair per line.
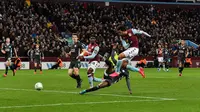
94,53
135,31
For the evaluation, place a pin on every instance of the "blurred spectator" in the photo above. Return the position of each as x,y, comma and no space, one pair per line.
50,25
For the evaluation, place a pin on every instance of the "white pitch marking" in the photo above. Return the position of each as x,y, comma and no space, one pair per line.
66,92
64,104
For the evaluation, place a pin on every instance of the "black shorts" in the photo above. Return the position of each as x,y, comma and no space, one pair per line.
38,61
181,60
75,64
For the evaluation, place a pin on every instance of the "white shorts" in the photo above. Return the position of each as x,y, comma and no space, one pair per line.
130,53
160,59
93,65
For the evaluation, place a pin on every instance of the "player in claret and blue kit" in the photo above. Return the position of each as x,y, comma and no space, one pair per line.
132,48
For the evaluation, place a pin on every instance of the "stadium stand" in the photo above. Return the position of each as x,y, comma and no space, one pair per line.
51,24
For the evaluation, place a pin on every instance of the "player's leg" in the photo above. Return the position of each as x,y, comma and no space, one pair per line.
163,64
55,66
90,73
13,68
40,67
121,56
159,63
129,54
167,64
35,67
7,63
181,66
77,77
101,85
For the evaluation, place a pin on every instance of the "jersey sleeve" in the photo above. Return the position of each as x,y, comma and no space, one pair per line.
135,31
94,53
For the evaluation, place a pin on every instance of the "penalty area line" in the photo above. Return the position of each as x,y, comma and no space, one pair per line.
113,95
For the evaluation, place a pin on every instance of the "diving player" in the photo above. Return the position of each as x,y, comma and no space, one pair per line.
110,76
8,49
182,54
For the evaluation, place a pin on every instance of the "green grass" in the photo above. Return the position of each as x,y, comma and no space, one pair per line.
20,92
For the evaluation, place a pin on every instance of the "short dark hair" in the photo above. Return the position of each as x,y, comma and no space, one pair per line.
75,34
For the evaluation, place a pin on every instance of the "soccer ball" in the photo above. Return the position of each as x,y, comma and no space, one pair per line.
38,86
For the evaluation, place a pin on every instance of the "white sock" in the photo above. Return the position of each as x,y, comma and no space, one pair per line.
97,79
163,66
90,79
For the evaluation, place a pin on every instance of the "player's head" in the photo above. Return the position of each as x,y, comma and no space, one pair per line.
182,42
159,46
37,46
75,37
92,40
7,40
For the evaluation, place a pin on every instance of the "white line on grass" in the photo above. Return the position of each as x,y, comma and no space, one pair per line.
64,104
114,95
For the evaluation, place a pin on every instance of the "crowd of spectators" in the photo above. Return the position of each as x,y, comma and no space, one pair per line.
50,25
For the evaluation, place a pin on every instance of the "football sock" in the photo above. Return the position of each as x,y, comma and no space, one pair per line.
90,79
97,79
93,89
132,68
163,66
159,66
78,78
40,68
167,66
180,69
6,72
73,76
35,69
118,65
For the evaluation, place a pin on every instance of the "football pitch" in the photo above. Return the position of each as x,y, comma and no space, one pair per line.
158,92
